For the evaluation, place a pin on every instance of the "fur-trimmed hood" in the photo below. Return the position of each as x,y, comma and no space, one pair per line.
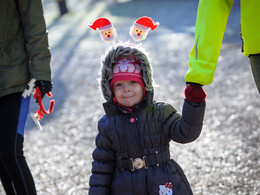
116,52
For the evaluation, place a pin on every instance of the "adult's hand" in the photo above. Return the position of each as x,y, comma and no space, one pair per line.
44,86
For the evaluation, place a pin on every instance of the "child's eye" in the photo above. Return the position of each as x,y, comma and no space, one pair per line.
118,85
133,82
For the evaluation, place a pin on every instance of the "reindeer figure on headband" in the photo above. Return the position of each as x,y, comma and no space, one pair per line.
132,145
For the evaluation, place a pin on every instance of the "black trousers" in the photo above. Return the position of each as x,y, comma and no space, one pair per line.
14,171
255,66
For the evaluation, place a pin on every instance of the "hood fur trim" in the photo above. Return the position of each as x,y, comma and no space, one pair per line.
116,52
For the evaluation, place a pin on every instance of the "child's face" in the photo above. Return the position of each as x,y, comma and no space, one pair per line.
128,93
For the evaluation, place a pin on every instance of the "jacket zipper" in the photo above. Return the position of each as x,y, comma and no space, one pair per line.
136,133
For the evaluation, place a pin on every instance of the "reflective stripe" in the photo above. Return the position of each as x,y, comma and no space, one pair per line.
24,109
197,53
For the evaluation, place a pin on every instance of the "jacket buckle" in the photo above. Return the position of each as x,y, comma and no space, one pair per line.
138,163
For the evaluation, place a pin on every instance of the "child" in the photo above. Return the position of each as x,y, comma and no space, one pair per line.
132,155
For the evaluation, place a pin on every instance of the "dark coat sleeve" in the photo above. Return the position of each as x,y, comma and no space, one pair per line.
36,40
185,128
103,165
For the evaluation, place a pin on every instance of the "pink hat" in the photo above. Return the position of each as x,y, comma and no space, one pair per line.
127,69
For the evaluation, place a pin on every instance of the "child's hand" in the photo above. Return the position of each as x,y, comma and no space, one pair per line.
194,93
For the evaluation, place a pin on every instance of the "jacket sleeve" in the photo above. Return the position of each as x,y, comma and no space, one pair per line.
250,23
103,166
211,22
185,128
36,40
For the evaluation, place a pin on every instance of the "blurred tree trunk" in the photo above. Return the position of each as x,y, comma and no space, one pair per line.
62,6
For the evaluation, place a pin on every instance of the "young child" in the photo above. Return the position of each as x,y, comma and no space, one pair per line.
132,156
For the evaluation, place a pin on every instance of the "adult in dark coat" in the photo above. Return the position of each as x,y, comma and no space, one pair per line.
24,54
132,155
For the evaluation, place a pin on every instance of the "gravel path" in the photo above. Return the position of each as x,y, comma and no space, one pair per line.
224,160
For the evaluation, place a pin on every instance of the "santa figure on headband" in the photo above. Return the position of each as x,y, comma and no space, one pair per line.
106,29
141,27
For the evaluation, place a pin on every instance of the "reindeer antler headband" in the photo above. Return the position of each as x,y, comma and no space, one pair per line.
138,31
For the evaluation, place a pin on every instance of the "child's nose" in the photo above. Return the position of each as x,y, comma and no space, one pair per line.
126,89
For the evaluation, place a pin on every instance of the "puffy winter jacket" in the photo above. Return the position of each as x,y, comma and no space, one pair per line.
142,133
24,52
211,22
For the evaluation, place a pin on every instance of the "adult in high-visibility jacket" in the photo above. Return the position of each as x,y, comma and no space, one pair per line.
211,22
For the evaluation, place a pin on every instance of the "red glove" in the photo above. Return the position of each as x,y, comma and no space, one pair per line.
194,93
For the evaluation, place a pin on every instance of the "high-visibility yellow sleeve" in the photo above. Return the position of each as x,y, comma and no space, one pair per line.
250,26
211,22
